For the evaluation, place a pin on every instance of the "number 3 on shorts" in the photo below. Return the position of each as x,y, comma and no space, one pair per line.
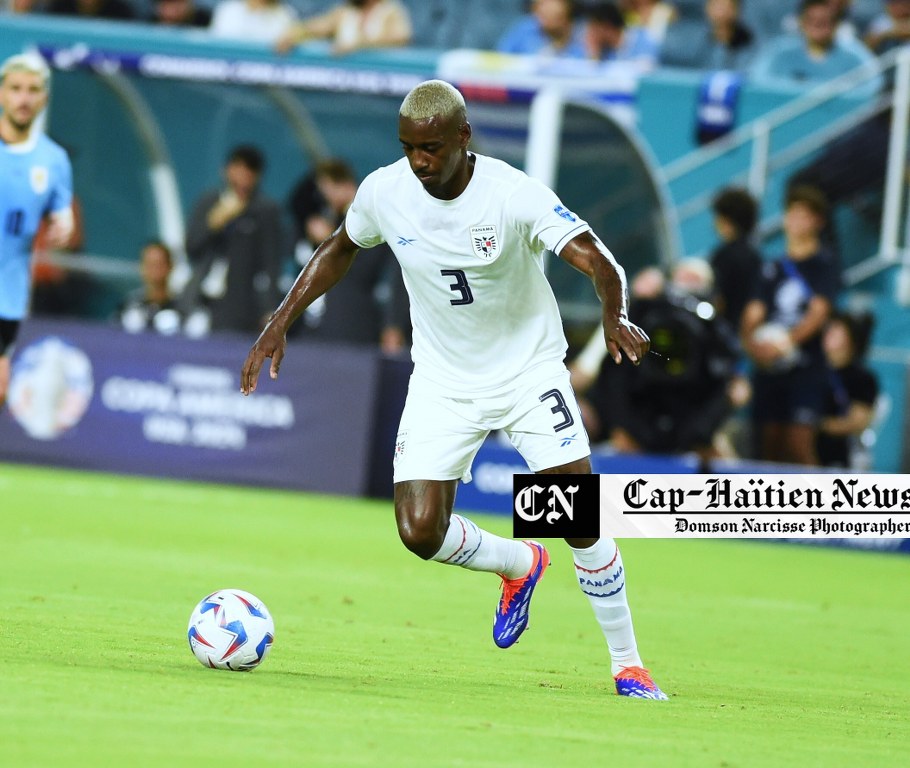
560,408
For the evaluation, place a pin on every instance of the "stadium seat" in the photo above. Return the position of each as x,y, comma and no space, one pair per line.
676,50
764,17
444,24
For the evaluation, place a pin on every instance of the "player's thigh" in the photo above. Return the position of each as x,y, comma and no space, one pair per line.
545,423
437,438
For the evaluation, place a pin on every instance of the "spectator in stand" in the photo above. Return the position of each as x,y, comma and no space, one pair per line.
354,25
608,39
814,56
25,6
119,10
549,30
234,243
736,262
180,13
152,307
723,42
781,332
847,30
655,16
891,28
852,390
370,305
256,21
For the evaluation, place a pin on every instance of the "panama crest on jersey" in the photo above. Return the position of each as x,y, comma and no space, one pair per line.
485,242
38,177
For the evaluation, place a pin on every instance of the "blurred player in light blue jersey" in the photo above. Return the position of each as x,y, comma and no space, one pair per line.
37,182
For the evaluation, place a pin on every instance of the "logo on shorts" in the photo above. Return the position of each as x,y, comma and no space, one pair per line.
399,447
485,242
565,506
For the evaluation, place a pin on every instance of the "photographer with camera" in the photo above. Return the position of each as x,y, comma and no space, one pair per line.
679,397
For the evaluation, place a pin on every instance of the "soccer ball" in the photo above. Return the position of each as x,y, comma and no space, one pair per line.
231,629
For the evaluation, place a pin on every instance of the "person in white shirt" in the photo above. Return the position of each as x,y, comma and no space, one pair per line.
470,233
256,21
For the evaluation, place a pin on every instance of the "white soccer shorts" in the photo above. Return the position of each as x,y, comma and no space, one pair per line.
439,435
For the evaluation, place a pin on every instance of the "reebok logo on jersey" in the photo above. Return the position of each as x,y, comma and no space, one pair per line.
485,242
406,241
565,213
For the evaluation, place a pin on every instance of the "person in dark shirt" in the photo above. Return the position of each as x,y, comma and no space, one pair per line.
736,262
119,10
235,242
152,307
781,332
370,305
851,392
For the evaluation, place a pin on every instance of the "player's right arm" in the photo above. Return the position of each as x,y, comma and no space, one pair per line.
329,264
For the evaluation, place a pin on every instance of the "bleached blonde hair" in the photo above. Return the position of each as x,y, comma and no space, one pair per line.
433,98
31,62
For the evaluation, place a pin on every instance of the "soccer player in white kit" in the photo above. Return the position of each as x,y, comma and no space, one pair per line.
470,233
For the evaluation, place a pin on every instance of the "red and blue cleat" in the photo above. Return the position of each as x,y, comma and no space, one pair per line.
511,617
637,683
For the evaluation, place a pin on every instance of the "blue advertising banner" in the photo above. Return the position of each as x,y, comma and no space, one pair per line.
94,397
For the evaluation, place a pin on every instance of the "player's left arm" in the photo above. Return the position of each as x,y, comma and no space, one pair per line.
590,256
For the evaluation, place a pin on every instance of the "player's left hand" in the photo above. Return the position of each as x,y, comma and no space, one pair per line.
58,234
624,336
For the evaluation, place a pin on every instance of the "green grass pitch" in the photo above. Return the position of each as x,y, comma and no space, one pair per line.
773,655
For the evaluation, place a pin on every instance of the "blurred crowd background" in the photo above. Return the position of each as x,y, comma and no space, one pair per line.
717,146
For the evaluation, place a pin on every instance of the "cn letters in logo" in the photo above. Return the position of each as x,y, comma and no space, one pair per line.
551,506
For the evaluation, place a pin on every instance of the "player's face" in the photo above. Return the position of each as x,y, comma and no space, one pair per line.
22,97
437,152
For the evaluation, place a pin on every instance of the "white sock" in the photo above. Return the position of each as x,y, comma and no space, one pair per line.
602,578
470,547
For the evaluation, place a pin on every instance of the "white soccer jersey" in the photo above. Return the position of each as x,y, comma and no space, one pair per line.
482,310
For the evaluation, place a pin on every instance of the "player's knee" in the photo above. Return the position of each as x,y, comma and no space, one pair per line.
420,532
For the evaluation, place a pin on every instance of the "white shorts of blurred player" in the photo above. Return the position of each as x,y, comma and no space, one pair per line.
439,435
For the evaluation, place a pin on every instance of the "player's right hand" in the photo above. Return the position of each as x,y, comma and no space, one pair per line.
270,344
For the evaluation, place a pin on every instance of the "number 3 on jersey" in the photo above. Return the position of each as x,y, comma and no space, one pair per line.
460,286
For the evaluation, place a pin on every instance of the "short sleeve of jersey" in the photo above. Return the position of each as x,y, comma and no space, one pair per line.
360,221
62,193
541,218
